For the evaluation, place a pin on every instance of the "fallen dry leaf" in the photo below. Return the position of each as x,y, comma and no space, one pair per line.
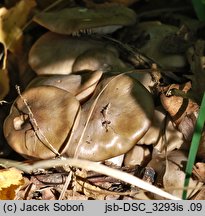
178,106
173,179
10,181
11,23
200,195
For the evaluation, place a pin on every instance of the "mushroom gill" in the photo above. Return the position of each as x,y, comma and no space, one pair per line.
73,20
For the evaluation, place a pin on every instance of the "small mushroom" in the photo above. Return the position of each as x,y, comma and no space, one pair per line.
118,114
80,85
73,20
42,131
56,54
138,155
145,78
99,59
162,134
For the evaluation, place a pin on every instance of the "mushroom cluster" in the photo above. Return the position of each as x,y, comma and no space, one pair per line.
88,101
75,107
83,103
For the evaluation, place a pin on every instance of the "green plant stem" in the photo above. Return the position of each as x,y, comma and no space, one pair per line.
199,8
194,146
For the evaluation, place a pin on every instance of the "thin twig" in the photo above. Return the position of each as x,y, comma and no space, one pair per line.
93,166
68,180
35,124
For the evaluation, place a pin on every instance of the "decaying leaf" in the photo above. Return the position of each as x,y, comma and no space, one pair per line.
174,176
178,106
12,21
200,195
171,173
10,181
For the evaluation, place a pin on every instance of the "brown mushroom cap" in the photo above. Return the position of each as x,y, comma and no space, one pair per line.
56,54
81,85
121,115
98,59
53,109
71,20
162,126
138,155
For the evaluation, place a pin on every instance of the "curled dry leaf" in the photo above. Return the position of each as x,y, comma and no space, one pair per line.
10,182
113,120
44,132
184,112
81,85
73,20
179,106
56,54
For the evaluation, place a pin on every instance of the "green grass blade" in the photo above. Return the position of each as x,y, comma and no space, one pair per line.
194,146
199,7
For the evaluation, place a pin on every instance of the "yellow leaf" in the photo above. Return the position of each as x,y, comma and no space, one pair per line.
12,20
10,181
